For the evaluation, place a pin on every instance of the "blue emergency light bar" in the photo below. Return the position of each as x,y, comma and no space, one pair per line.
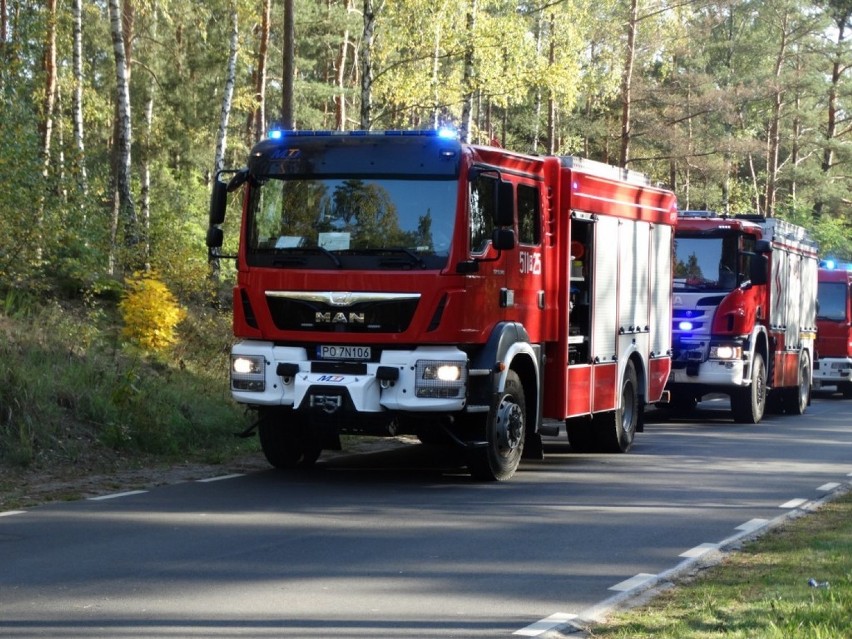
832,265
443,132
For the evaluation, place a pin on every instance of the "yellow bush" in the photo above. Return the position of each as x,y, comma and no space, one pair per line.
150,312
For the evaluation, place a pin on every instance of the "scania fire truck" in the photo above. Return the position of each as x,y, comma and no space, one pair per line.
408,283
834,328
744,320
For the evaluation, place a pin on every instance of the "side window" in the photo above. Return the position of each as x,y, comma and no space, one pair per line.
483,203
529,220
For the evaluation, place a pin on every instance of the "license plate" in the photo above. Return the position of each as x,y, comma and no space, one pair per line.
336,351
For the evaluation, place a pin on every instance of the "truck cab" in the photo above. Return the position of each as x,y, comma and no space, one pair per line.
834,328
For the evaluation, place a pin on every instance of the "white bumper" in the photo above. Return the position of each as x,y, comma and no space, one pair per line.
367,392
713,372
832,370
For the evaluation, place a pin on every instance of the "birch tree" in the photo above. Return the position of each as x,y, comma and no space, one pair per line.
124,212
77,102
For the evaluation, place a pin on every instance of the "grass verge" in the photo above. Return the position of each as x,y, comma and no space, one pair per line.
75,400
761,591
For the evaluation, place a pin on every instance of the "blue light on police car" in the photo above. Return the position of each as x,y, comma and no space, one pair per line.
685,326
447,133
275,134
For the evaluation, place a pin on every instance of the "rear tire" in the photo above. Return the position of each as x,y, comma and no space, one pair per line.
505,430
796,399
748,404
615,430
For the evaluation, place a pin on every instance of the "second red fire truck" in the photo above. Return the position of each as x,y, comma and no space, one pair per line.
405,282
744,319
834,328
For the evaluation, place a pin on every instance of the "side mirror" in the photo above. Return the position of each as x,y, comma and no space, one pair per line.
215,237
762,246
503,239
505,213
758,270
218,202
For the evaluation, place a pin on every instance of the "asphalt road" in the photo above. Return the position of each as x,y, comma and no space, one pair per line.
403,543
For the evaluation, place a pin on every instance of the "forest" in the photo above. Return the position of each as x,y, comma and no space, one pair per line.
116,114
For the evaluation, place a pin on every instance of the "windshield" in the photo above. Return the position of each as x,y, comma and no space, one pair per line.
709,263
832,301
335,222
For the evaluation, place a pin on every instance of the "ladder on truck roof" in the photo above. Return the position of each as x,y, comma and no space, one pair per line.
601,169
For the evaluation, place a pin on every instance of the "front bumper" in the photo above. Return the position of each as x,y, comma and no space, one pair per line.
286,376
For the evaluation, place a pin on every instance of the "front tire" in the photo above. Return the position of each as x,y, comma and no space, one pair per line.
505,430
748,404
286,439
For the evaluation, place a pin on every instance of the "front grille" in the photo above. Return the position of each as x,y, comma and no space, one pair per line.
375,316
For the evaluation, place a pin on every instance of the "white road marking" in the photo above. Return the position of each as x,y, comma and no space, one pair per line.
793,503
116,495
543,625
699,550
220,478
752,524
633,582
8,513
827,488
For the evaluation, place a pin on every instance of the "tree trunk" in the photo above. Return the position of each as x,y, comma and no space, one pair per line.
340,78
77,101
627,82
125,212
49,85
222,134
773,138
366,119
287,117
228,95
260,79
467,79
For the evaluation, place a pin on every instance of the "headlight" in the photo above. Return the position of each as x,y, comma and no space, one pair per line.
440,379
247,373
726,351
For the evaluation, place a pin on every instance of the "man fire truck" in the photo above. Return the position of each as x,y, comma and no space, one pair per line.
834,328
744,318
405,282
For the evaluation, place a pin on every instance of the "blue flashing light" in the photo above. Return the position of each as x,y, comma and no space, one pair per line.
448,133
685,326
830,264
275,134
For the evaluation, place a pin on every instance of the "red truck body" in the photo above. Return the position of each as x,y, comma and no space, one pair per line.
409,283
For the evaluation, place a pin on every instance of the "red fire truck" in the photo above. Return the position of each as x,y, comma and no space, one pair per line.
744,320
834,328
405,282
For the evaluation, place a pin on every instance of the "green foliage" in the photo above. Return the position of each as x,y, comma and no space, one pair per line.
150,312
70,394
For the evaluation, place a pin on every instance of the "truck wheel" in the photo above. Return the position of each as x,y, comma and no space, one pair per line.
748,404
286,440
615,430
796,399
580,435
505,429
846,389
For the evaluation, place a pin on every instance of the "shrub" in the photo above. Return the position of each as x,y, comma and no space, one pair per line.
150,312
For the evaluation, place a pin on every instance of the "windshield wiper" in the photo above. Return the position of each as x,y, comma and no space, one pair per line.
415,258
312,250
